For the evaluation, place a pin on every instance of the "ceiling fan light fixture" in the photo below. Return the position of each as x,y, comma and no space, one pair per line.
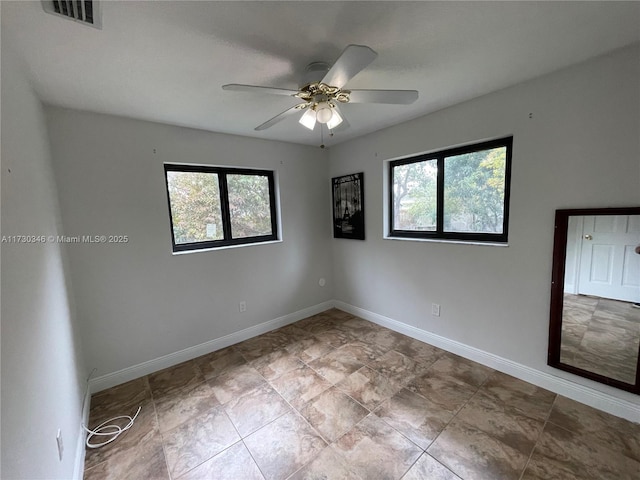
324,112
335,120
308,119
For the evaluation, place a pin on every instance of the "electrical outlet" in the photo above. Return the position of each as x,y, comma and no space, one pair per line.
60,444
435,309
242,306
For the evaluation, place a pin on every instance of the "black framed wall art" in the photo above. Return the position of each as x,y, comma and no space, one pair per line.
348,206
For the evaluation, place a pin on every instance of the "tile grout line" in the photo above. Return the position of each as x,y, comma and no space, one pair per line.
535,444
223,410
451,469
387,377
292,410
162,434
155,413
299,413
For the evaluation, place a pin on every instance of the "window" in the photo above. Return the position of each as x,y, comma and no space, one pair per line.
456,194
212,207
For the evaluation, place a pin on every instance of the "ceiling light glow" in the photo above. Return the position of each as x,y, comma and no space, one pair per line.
323,112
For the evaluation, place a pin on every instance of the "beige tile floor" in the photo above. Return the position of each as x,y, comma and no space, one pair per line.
601,336
336,397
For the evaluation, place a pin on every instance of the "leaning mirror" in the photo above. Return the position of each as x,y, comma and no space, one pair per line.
594,330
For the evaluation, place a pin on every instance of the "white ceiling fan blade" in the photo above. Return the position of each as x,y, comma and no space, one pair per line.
279,117
308,119
399,97
236,87
352,60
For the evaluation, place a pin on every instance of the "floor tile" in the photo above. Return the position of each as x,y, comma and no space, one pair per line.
332,413
258,410
621,435
540,468
235,382
143,430
328,465
398,367
335,337
358,327
363,352
563,454
601,336
274,364
418,351
279,337
197,440
284,446
336,365
320,322
519,396
496,419
255,409
292,333
309,349
462,369
108,403
300,386
375,451
368,387
234,463
385,338
427,468
445,391
471,453
145,462
169,380
258,346
182,405
417,418
218,362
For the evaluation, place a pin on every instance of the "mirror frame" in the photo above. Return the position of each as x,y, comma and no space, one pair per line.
557,295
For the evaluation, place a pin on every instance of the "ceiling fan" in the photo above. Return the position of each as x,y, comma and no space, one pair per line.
322,91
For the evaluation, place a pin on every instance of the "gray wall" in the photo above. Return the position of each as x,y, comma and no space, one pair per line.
138,302
43,375
581,148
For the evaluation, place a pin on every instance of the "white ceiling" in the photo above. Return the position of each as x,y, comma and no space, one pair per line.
166,61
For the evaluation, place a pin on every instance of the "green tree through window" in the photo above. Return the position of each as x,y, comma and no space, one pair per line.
211,207
460,193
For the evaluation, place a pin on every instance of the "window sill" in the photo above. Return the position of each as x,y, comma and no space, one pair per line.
225,247
443,240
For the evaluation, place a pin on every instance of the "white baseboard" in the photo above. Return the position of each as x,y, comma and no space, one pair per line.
581,393
78,468
136,371
562,386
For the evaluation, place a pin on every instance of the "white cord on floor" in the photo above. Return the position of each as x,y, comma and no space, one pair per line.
115,430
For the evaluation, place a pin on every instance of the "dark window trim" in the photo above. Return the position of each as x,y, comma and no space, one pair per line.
222,173
440,156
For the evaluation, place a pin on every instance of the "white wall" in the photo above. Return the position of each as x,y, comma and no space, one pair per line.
137,302
42,371
581,148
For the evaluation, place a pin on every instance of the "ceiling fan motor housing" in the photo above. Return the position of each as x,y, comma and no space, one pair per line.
314,73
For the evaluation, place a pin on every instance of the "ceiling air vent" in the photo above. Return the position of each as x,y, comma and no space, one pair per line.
83,11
